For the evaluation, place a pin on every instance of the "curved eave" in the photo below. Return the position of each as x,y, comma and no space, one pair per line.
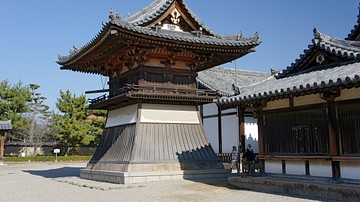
341,48
170,38
347,76
355,32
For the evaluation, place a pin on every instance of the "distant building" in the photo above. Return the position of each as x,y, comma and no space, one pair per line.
5,128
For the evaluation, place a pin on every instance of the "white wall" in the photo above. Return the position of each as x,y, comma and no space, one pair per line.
320,168
160,113
230,129
350,170
295,167
273,166
121,116
211,130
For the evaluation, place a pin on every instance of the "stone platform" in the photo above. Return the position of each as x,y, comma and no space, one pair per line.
139,177
309,188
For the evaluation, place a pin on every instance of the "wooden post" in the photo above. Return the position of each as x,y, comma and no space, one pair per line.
333,132
219,130
260,123
333,138
241,119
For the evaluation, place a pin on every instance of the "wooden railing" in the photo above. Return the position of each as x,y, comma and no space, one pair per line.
136,90
224,157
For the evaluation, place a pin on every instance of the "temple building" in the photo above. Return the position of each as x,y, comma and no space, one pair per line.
308,115
222,126
154,129
5,128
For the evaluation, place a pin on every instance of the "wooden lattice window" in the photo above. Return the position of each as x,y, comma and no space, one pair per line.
180,79
349,125
156,78
296,132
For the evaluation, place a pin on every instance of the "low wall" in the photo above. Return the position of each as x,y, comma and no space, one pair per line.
47,150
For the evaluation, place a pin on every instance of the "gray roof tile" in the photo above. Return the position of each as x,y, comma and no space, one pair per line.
320,79
356,30
5,125
222,79
342,48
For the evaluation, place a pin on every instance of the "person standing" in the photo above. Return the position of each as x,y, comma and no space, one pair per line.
234,158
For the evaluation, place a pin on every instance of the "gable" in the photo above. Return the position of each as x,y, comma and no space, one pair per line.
325,52
171,15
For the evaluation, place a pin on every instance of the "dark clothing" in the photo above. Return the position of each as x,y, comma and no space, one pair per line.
249,155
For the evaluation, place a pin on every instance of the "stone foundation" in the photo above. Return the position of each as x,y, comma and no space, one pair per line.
140,177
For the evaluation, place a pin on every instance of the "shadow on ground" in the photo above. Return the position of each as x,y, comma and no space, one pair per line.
57,173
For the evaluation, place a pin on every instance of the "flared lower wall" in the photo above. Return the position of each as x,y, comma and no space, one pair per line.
164,138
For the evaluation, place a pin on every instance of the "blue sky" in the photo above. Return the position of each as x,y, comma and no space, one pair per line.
33,33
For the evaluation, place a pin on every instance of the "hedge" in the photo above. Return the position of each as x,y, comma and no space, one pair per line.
46,158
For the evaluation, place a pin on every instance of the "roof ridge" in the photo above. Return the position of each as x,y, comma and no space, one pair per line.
333,45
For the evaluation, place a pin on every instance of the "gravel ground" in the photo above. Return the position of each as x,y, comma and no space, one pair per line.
60,182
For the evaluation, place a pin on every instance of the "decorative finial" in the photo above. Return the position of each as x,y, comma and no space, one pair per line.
111,15
239,36
117,16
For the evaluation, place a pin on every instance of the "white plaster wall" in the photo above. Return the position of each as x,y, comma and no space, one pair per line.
295,167
320,168
350,170
211,130
121,116
251,133
228,110
210,109
156,113
230,131
273,166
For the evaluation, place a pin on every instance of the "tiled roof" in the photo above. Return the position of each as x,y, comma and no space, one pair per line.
344,73
164,34
157,8
5,125
341,75
222,79
132,25
342,48
356,30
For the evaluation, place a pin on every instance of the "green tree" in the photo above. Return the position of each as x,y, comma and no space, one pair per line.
14,101
38,116
73,125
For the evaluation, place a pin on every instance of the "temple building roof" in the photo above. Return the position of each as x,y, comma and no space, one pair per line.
150,13
354,34
227,81
328,63
164,27
5,125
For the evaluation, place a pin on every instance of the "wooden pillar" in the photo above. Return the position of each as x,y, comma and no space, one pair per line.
219,130
333,132
2,143
201,109
260,123
333,138
241,119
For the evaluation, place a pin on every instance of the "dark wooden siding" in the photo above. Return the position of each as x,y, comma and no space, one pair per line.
296,132
349,123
